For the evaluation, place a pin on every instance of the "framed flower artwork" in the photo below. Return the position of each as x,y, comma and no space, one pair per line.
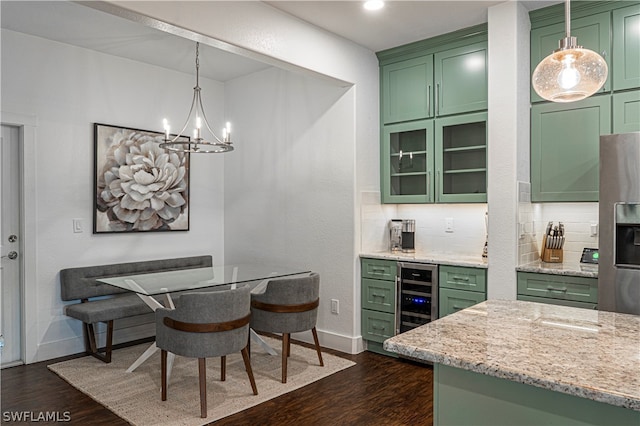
138,186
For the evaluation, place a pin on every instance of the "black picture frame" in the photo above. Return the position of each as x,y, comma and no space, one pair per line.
138,186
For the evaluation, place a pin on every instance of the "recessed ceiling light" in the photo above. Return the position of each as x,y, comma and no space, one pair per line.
373,4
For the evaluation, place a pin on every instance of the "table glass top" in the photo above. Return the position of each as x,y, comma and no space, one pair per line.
199,278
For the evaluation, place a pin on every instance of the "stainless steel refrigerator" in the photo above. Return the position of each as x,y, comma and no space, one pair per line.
619,245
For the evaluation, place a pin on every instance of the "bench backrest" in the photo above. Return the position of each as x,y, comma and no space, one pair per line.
80,283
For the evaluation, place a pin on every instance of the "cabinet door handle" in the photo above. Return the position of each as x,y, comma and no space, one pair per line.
437,98
437,189
457,308
460,278
377,295
428,100
377,327
557,290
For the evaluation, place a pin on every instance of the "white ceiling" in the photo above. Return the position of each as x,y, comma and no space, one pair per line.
398,23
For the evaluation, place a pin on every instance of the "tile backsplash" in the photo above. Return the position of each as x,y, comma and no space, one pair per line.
468,226
577,219
469,232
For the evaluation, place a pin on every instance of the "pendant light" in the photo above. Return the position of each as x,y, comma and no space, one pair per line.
197,143
570,73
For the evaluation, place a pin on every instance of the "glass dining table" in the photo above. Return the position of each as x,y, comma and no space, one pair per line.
151,287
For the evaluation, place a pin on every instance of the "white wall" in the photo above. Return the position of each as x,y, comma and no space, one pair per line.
257,30
67,89
289,186
508,145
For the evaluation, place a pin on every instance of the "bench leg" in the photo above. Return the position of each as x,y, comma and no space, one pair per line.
90,342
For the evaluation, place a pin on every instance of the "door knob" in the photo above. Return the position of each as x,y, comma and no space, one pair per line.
12,255
13,238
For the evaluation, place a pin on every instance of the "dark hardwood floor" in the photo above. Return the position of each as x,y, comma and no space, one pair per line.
378,390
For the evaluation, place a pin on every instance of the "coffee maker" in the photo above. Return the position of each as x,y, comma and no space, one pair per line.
395,235
408,236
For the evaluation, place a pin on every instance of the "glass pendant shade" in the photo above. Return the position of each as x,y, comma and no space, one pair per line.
570,73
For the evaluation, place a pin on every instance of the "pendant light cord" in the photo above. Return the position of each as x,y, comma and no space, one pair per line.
567,18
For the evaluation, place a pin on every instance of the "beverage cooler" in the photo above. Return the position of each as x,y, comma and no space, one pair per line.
417,301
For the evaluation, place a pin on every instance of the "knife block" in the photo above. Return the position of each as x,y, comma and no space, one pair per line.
550,255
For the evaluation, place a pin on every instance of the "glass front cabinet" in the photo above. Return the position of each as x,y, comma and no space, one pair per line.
407,166
461,158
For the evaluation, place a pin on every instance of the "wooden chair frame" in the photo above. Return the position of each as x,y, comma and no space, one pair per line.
286,338
202,367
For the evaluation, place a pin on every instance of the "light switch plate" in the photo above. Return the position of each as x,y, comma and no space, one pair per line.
78,226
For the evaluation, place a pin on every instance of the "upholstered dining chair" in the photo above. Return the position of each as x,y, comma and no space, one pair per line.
288,305
205,325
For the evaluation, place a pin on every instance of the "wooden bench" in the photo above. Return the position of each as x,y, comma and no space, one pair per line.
101,302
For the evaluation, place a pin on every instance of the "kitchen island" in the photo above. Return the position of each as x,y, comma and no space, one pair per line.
523,363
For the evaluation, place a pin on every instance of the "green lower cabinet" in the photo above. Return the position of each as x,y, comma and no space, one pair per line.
462,397
452,301
378,299
460,287
580,292
558,133
626,112
376,328
550,301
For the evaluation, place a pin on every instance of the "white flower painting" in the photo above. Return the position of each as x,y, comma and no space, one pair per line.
139,187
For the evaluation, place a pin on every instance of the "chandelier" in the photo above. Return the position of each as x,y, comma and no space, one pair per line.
570,73
196,117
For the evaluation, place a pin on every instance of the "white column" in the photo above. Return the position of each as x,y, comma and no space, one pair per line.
508,139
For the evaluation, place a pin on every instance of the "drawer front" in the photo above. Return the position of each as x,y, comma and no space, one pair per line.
377,326
451,301
379,295
379,269
558,302
463,278
562,287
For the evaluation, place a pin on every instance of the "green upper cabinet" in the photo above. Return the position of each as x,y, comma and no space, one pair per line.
407,162
429,93
461,158
593,32
626,112
407,90
565,143
461,79
626,48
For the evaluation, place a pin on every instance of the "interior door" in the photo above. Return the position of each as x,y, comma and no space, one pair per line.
10,247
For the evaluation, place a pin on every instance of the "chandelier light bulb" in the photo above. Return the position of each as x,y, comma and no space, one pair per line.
197,118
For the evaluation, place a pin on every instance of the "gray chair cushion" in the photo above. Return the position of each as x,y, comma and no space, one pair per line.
113,308
216,306
287,291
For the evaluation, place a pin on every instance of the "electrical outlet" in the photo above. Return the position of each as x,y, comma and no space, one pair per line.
334,306
448,224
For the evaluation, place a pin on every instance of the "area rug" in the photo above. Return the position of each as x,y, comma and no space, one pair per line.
136,396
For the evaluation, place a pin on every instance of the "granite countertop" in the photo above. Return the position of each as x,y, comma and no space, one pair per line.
566,268
586,353
435,258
